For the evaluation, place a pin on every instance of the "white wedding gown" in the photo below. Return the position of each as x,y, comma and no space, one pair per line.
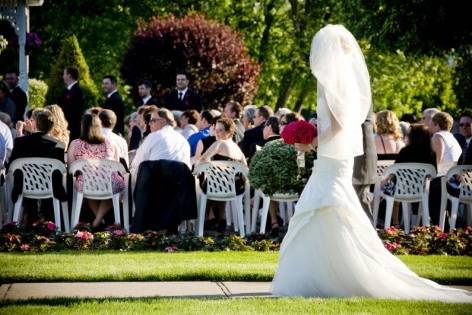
332,250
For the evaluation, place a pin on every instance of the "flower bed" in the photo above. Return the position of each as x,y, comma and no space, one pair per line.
43,237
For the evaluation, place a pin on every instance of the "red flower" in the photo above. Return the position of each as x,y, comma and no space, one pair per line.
299,132
51,226
443,236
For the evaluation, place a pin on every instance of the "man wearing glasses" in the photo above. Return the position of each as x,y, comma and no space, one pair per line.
465,130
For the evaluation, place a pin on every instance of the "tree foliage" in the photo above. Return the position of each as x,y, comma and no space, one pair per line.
211,53
70,55
37,90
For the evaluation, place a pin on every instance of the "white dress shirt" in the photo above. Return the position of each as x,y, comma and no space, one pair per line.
118,143
164,144
71,85
182,93
147,98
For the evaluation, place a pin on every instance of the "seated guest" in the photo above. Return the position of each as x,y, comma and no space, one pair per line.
134,133
108,119
224,149
60,129
249,114
93,145
205,143
428,114
465,132
6,134
271,129
233,110
444,145
163,143
204,127
39,144
188,121
145,120
388,139
254,137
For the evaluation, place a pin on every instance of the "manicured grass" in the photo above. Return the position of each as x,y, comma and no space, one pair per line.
231,306
213,266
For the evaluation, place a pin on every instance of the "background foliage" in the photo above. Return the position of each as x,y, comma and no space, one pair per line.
278,33
37,90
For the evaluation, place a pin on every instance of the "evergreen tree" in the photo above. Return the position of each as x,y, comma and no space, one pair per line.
71,55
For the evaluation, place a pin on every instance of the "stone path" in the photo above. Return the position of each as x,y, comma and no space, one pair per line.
190,289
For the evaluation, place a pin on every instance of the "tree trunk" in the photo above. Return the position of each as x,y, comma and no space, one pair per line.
302,96
287,86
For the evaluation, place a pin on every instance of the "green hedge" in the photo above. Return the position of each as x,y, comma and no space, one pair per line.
37,90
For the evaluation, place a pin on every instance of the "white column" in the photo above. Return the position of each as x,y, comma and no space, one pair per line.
22,29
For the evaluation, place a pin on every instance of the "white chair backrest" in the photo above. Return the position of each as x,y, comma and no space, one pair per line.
382,166
410,179
96,175
465,171
37,175
220,177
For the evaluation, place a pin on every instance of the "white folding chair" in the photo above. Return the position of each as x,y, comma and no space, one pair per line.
465,195
284,199
37,184
412,185
382,166
220,177
97,185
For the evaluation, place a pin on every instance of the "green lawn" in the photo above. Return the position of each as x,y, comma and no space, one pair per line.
231,306
216,266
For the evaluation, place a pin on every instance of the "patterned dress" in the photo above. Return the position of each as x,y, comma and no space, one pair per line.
80,149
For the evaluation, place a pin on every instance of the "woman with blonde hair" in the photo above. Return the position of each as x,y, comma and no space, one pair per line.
59,129
388,140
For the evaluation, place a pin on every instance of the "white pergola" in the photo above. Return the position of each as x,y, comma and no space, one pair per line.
17,13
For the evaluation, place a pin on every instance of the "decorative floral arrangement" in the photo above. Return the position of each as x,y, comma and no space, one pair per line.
274,169
421,241
299,131
33,42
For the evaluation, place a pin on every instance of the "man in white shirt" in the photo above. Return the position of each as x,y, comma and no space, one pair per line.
188,122
163,143
108,119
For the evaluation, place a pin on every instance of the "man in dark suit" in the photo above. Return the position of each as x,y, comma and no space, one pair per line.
182,98
233,110
72,102
365,166
38,144
144,91
17,95
255,136
6,104
114,102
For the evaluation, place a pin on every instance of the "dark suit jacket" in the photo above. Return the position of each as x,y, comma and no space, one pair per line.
164,195
365,166
252,137
37,145
151,101
73,106
467,159
116,104
191,101
18,96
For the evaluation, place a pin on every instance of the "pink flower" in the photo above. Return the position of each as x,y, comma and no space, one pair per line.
391,230
24,247
391,246
170,249
118,233
51,226
443,236
84,235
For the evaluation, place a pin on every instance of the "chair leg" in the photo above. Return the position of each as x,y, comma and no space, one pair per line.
454,209
57,214
201,214
17,212
238,207
264,214
283,211
78,206
65,214
116,208
229,220
255,211
419,217
234,213
126,210
289,211
442,214
469,214
426,219
247,208
388,211
406,207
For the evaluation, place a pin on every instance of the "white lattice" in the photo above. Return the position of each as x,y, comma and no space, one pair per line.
410,179
382,166
37,175
96,175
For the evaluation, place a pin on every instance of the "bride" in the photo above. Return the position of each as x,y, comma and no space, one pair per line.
331,249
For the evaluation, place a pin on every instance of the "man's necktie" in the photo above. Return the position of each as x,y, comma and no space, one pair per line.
180,96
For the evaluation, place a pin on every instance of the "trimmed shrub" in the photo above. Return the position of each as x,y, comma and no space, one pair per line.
71,55
37,90
212,54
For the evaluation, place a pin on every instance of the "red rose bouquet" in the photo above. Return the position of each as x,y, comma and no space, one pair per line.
302,132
